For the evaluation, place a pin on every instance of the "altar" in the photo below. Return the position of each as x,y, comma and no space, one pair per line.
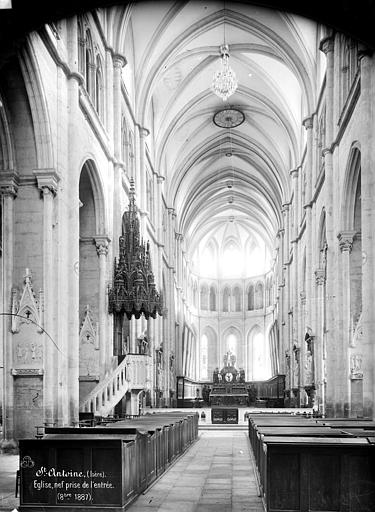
229,386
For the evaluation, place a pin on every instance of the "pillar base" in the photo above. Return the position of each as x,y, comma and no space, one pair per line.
9,446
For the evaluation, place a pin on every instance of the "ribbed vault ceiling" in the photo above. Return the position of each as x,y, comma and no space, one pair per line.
173,51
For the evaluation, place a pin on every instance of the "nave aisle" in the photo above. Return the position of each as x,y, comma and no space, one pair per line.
216,474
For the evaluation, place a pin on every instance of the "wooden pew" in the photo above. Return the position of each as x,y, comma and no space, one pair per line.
314,465
320,474
100,468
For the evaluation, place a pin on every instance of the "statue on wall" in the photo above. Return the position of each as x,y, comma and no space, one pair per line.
308,363
216,375
356,371
142,344
296,351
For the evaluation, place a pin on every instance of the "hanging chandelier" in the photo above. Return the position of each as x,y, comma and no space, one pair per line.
134,292
224,82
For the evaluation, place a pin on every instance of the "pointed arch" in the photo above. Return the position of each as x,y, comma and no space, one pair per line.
352,177
38,105
7,161
90,168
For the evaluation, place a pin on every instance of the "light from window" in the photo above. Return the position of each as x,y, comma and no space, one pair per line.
204,357
232,262
232,344
260,364
207,263
256,263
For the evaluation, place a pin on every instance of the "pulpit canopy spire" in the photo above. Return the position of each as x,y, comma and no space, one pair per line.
134,292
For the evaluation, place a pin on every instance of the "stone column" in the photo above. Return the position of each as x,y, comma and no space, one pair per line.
319,342
308,124
66,285
327,46
346,244
159,261
141,182
8,193
283,303
47,181
294,271
285,339
368,229
175,345
109,111
170,284
118,63
102,244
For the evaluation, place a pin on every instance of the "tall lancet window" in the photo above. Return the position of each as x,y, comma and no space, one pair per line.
226,300
89,63
204,297
99,90
237,299
259,296
212,298
250,298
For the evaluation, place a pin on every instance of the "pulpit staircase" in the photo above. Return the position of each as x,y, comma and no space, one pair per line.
107,393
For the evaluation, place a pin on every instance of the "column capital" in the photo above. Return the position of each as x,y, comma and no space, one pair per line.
285,207
143,132
179,236
308,122
102,243
327,44
346,240
326,151
47,180
160,179
294,172
320,276
364,51
118,60
9,184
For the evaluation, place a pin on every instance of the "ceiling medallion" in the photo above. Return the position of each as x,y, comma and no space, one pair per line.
224,82
229,118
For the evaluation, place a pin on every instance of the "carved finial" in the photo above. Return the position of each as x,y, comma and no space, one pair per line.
132,207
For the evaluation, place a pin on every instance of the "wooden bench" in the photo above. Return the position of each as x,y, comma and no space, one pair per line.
321,474
102,467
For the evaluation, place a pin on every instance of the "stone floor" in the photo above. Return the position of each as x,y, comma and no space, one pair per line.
215,474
